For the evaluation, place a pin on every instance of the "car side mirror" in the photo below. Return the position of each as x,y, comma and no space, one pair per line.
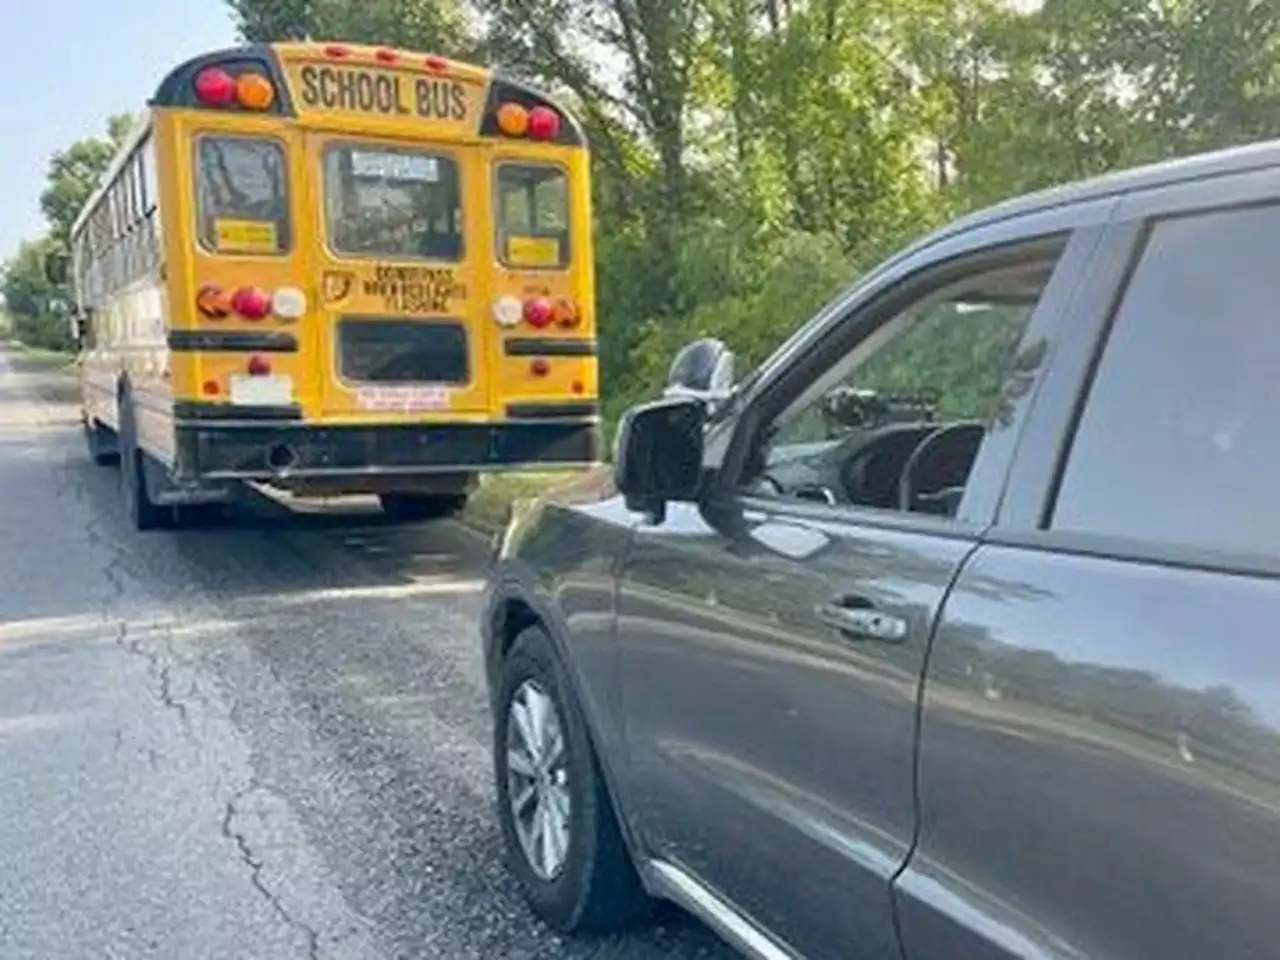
702,369
56,268
659,453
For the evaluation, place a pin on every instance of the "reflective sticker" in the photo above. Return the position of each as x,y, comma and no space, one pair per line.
245,236
420,397
533,251
337,285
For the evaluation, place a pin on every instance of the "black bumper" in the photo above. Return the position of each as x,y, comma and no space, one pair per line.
263,450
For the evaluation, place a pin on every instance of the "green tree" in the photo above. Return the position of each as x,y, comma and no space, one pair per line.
428,25
37,309
74,174
261,21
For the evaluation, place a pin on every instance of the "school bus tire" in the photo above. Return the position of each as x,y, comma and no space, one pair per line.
143,513
410,507
104,449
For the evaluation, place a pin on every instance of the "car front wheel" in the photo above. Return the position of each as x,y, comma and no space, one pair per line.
557,819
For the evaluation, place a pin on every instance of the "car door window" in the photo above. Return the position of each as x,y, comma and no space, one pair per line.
897,423
1176,444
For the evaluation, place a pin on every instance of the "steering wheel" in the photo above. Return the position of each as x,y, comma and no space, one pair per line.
959,442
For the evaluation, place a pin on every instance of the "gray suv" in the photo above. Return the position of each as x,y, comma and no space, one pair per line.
945,632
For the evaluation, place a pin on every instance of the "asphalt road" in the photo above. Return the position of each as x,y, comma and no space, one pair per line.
266,739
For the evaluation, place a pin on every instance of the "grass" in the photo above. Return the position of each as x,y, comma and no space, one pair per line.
45,357
487,508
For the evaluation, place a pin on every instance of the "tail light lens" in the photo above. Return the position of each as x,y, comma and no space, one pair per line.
508,311
540,367
436,63
251,303
258,366
537,312
544,124
215,87
385,55
254,91
565,314
513,119
289,303
212,302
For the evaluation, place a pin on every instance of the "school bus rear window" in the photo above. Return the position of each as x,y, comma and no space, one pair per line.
243,195
533,216
392,202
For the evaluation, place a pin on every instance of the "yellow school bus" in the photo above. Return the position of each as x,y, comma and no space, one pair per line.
337,269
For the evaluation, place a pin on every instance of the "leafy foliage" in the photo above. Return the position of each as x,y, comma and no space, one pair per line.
432,25
38,310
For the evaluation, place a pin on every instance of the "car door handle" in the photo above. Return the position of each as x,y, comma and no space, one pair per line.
858,620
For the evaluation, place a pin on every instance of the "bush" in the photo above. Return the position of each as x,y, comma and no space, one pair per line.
748,287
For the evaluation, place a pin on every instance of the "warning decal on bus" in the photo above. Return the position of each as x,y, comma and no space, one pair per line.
245,236
403,399
533,251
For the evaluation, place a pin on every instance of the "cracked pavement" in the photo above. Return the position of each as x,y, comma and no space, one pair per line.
264,739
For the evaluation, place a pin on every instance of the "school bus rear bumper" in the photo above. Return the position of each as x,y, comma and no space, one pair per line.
223,448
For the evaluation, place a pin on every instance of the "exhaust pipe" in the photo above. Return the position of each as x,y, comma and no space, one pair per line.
281,456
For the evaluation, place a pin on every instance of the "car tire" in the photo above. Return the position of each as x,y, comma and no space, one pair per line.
595,888
97,439
421,506
143,514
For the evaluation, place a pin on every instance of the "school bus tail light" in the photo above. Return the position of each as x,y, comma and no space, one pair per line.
212,302
544,124
565,313
537,312
513,119
540,367
251,303
508,311
254,91
289,303
258,366
215,87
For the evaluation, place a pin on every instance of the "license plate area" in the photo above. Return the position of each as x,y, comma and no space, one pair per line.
398,351
272,390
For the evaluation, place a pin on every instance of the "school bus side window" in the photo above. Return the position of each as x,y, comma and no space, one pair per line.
533,215
243,195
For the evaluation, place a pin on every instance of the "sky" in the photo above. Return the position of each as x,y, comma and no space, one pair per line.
67,65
